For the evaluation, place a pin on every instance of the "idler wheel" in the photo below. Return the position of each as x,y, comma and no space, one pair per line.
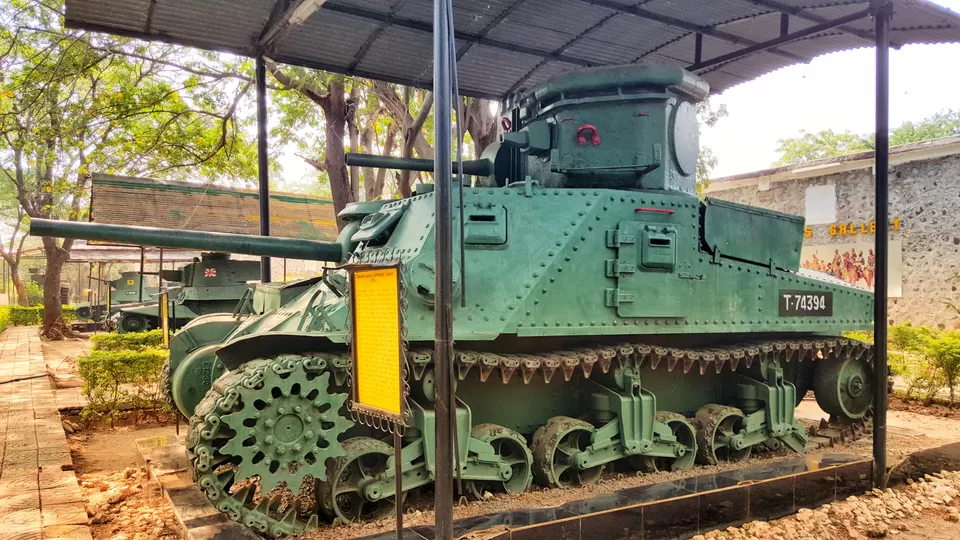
132,323
517,460
844,385
686,447
555,447
717,430
356,479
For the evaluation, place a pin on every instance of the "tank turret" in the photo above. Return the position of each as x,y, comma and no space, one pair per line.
631,127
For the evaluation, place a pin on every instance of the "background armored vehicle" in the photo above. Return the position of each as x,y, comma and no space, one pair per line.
605,317
213,284
123,290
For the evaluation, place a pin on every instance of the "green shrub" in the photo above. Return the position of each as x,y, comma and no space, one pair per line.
29,316
121,380
26,316
4,317
34,293
134,341
859,335
908,338
943,353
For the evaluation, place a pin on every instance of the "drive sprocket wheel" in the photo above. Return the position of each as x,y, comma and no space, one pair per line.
687,449
844,385
260,440
511,448
554,446
716,424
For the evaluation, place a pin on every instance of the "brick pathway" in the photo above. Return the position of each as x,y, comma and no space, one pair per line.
39,494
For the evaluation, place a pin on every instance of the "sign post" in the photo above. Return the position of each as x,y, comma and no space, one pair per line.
164,320
378,389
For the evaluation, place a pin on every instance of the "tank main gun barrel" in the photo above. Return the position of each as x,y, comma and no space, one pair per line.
261,246
474,167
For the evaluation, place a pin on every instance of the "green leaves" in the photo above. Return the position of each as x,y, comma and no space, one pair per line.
827,143
118,381
814,146
134,341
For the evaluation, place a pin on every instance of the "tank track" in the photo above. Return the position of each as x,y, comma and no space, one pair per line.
282,512
166,386
638,355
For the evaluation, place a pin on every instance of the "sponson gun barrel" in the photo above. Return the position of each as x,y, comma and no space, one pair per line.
262,246
475,167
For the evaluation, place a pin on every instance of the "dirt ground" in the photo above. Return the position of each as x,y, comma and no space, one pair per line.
121,502
927,509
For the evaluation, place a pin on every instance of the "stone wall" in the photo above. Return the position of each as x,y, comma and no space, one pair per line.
924,195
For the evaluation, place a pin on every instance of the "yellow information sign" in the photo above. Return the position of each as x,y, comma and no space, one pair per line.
376,342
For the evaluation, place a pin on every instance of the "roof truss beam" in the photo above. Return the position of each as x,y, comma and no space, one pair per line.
805,15
782,40
462,36
689,27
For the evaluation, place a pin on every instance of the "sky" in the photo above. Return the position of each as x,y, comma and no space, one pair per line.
834,91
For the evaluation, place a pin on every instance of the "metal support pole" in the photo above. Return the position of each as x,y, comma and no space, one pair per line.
263,164
882,15
398,478
143,262
443,351
99,281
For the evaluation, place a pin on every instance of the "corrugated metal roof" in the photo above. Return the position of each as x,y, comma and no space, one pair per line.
507,45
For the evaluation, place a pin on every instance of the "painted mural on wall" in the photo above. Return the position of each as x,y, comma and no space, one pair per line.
855,263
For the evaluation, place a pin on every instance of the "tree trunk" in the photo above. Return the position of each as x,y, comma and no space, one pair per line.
22,299
411,134
369,179
375,191
53,326
481,124
335,114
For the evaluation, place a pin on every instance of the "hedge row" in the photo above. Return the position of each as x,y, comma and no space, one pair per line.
28,316
133,341
115,381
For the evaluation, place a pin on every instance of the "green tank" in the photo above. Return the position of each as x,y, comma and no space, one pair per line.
605,318
123,290
214,283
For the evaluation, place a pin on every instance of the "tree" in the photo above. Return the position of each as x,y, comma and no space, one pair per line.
827,143
73,103
14,222
706,160
821,145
